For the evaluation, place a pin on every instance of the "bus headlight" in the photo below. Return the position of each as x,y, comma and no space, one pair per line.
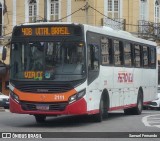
77,96
14,96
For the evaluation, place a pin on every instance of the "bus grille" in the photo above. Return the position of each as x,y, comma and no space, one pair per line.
44,88
52,106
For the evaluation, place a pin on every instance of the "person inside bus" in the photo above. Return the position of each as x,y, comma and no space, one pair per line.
73,56
70,52
37,56
93,57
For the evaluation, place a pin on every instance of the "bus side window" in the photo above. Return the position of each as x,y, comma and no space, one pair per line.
152,58
93,57
118,53
17,58
145,56
127,54
137,57
106,51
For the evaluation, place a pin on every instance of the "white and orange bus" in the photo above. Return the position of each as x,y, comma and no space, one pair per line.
76,69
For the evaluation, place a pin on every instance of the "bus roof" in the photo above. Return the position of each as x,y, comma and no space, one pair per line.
48,23
118,34
102,30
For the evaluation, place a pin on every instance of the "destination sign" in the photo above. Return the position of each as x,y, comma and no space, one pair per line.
45,31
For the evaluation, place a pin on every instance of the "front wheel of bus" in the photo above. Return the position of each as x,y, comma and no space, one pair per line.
98,117
40,118
103,112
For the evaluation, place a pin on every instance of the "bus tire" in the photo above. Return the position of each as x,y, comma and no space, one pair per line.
139,106
98,117
40,118
105,105
103,112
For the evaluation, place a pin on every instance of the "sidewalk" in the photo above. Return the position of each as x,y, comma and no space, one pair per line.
2,109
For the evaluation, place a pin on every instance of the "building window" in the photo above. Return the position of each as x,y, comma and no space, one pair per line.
32,11
54,15
157,11
1,12
143,9
114,9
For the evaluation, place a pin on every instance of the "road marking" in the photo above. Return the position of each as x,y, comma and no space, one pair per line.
152,120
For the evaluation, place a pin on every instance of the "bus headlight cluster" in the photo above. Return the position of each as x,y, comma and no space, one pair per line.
77,96
14,96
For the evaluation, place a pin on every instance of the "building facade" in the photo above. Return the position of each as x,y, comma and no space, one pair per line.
140,17
127,15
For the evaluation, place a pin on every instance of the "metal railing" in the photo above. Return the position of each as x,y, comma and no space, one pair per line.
147,29
116,23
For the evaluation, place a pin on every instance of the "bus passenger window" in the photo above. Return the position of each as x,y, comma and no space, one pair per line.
152,57
127,54
106,51
145,56
137,58
93,57
118,52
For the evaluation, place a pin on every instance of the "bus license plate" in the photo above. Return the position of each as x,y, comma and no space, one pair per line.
42,107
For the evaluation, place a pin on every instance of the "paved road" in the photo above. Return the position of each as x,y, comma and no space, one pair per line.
148,121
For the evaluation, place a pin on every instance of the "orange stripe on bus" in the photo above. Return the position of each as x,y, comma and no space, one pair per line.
44,97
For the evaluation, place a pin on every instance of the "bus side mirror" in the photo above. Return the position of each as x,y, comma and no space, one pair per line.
4,53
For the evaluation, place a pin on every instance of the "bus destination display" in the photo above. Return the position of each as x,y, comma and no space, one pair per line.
45,31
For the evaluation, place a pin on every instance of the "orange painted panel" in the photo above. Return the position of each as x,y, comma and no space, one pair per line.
45,97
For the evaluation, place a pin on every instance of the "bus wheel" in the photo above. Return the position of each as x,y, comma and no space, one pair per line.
40,118
99,117
139,107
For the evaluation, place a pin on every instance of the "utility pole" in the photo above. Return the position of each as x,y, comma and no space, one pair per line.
86,9
45,10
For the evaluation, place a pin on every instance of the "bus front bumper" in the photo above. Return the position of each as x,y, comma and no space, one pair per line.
78,107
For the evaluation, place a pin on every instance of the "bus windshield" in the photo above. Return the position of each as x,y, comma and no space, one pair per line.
61,60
